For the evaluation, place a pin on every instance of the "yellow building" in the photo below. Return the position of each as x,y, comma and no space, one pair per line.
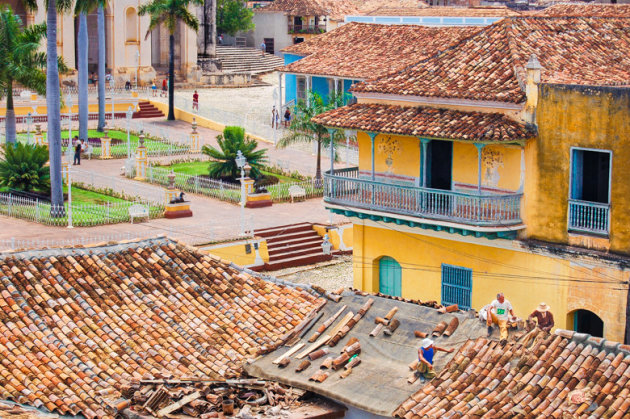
497,166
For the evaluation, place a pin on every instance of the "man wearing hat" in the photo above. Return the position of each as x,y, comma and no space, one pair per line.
543,317
425,358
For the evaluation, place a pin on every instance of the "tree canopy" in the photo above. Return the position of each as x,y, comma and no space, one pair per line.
233,16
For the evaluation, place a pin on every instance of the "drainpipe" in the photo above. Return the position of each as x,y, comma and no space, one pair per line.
533,68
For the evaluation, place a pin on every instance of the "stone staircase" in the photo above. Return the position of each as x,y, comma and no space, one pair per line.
292,245
246,60
147,110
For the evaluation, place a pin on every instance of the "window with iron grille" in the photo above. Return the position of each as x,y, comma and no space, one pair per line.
456,286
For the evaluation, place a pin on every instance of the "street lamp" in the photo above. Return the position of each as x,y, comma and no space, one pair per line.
112,103
29,121
137,67
69,119
70,161
326,245
129,116
241,163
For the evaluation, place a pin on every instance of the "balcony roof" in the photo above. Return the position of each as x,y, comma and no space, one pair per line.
427,122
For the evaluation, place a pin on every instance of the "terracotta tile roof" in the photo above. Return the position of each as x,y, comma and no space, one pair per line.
426,122
296,8
335,9
585,10
481,11
558,375
490,65
363,50
74,322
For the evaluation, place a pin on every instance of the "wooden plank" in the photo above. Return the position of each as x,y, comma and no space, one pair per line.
184,401
289,353
326,324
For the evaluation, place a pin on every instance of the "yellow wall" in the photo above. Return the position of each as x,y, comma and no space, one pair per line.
92,108
501,164
527,278
570,116
235,252
334,237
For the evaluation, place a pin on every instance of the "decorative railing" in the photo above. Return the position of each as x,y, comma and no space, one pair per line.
589,217
306,29
346,188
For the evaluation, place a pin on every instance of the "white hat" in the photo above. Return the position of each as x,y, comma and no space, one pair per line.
426,343
542,307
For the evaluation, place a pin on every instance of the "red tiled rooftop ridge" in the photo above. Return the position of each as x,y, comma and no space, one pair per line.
78,321
479,11
335,9
489,65
426,122
586,10
541,376
364,51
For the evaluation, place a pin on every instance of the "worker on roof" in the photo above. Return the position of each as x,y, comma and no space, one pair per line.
499,314
543,317
425,358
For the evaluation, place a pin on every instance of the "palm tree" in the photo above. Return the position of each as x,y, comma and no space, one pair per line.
21,62
53,105
302,129
170,13
24,167
233,140
82,8
100,23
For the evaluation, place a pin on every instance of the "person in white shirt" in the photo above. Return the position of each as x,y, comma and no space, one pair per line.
499,314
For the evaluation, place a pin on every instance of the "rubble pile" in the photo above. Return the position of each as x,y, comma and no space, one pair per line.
205,399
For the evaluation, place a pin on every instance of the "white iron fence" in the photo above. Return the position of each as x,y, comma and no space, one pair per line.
81,214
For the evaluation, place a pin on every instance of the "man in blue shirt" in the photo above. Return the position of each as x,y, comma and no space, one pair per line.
425,358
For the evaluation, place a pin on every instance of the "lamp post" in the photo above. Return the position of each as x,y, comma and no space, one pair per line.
129,115
69,157
241,161
112,104
137,66
69,120
29,121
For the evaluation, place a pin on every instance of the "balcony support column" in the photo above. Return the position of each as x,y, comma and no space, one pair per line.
308,89
479,155
424,143
331,132
372,137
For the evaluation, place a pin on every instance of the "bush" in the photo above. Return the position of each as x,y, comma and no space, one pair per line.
23,167
224,164
264,181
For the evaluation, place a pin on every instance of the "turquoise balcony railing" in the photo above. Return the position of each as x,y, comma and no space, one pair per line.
346,188
589,217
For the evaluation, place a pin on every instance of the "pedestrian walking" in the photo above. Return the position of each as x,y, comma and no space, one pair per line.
164,88
78,147
263,48
274,118
195,104
153,88
287,118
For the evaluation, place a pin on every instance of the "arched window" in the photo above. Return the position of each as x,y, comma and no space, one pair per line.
585,321
131,25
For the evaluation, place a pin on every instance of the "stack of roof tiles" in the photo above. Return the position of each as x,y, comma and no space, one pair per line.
559,375
74,322
365,51
426,122
489,65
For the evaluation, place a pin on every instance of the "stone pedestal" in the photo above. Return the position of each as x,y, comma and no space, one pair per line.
195,141
141,160
106,144
253,199
178,209
39,136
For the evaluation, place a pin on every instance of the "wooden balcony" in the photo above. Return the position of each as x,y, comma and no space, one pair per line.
345,188
306,28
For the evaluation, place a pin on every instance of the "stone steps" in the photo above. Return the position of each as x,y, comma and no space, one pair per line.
292,245
147,110
246,60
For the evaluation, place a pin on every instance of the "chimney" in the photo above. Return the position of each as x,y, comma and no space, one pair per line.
533,68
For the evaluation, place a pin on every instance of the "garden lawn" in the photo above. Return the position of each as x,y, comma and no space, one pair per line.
197,168
154,146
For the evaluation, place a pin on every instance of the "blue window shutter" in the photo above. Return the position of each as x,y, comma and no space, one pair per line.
577,172
457,286
390,277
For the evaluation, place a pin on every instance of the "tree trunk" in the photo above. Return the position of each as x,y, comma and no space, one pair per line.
213,29
83,43
171,78
10,117
54,112
100,23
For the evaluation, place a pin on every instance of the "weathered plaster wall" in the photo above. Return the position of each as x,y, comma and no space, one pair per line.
577,116
526,276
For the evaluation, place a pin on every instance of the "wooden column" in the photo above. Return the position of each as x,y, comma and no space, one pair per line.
479,154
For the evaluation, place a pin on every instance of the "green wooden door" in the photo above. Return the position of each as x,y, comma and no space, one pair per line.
389,277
